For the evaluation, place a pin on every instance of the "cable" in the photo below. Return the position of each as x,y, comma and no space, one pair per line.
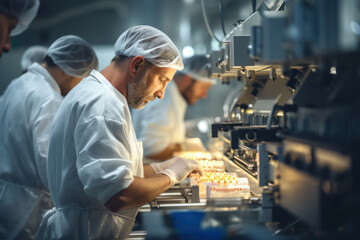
207,23
116,6
285,228
253,5
222,16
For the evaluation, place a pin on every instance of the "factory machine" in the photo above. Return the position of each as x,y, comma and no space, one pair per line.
292,126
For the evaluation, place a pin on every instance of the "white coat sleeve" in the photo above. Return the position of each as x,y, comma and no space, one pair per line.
103,160
156,127
41,135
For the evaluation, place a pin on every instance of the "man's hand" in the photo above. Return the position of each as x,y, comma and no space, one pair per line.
161,166
181,168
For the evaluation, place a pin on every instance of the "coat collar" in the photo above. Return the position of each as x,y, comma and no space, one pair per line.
37,69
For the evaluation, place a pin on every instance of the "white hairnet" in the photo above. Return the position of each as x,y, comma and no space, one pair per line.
23,10
198,67
31,55
149,42
73,55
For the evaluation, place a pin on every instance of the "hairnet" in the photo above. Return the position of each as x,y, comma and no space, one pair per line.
31,55
23,10
73,55
149,42
198,67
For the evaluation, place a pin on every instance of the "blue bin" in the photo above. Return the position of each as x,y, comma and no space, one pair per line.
188,226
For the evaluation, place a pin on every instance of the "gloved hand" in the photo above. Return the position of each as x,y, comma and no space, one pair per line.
161,166
192,144
181,168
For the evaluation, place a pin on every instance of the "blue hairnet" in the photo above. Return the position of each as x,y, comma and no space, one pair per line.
73,55
149,42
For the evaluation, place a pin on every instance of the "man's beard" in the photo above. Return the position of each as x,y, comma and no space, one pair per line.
136,91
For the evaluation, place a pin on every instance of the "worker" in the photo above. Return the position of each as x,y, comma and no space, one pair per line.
160,126
96,176
27,108
31,55
15,17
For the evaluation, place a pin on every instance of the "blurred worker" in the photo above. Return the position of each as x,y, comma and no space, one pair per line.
160,126
31,55
96,175
26,110
15,17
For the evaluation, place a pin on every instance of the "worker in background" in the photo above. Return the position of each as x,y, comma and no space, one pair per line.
15,17
27,108
34,54
96,175
160,126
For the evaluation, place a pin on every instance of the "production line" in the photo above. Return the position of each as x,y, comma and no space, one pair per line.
225,191
195,190
292,129
119,151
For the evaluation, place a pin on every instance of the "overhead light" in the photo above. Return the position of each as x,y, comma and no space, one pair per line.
355,27
214,45
189,1
203,126
188,51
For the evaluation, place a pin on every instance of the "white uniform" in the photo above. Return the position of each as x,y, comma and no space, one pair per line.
161,122
26,110
93,155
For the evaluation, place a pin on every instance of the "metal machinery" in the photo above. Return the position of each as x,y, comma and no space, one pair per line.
293,126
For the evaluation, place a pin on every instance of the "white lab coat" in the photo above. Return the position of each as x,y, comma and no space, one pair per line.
161,122
93,155
26,110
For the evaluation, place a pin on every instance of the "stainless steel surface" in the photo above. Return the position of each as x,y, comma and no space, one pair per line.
248,165
169,195
253,182
137,235
183,206
170,200
175,188
145,208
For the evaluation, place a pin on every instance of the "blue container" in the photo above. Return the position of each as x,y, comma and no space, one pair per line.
188,226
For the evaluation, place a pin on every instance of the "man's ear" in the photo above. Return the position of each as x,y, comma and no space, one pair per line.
136,64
